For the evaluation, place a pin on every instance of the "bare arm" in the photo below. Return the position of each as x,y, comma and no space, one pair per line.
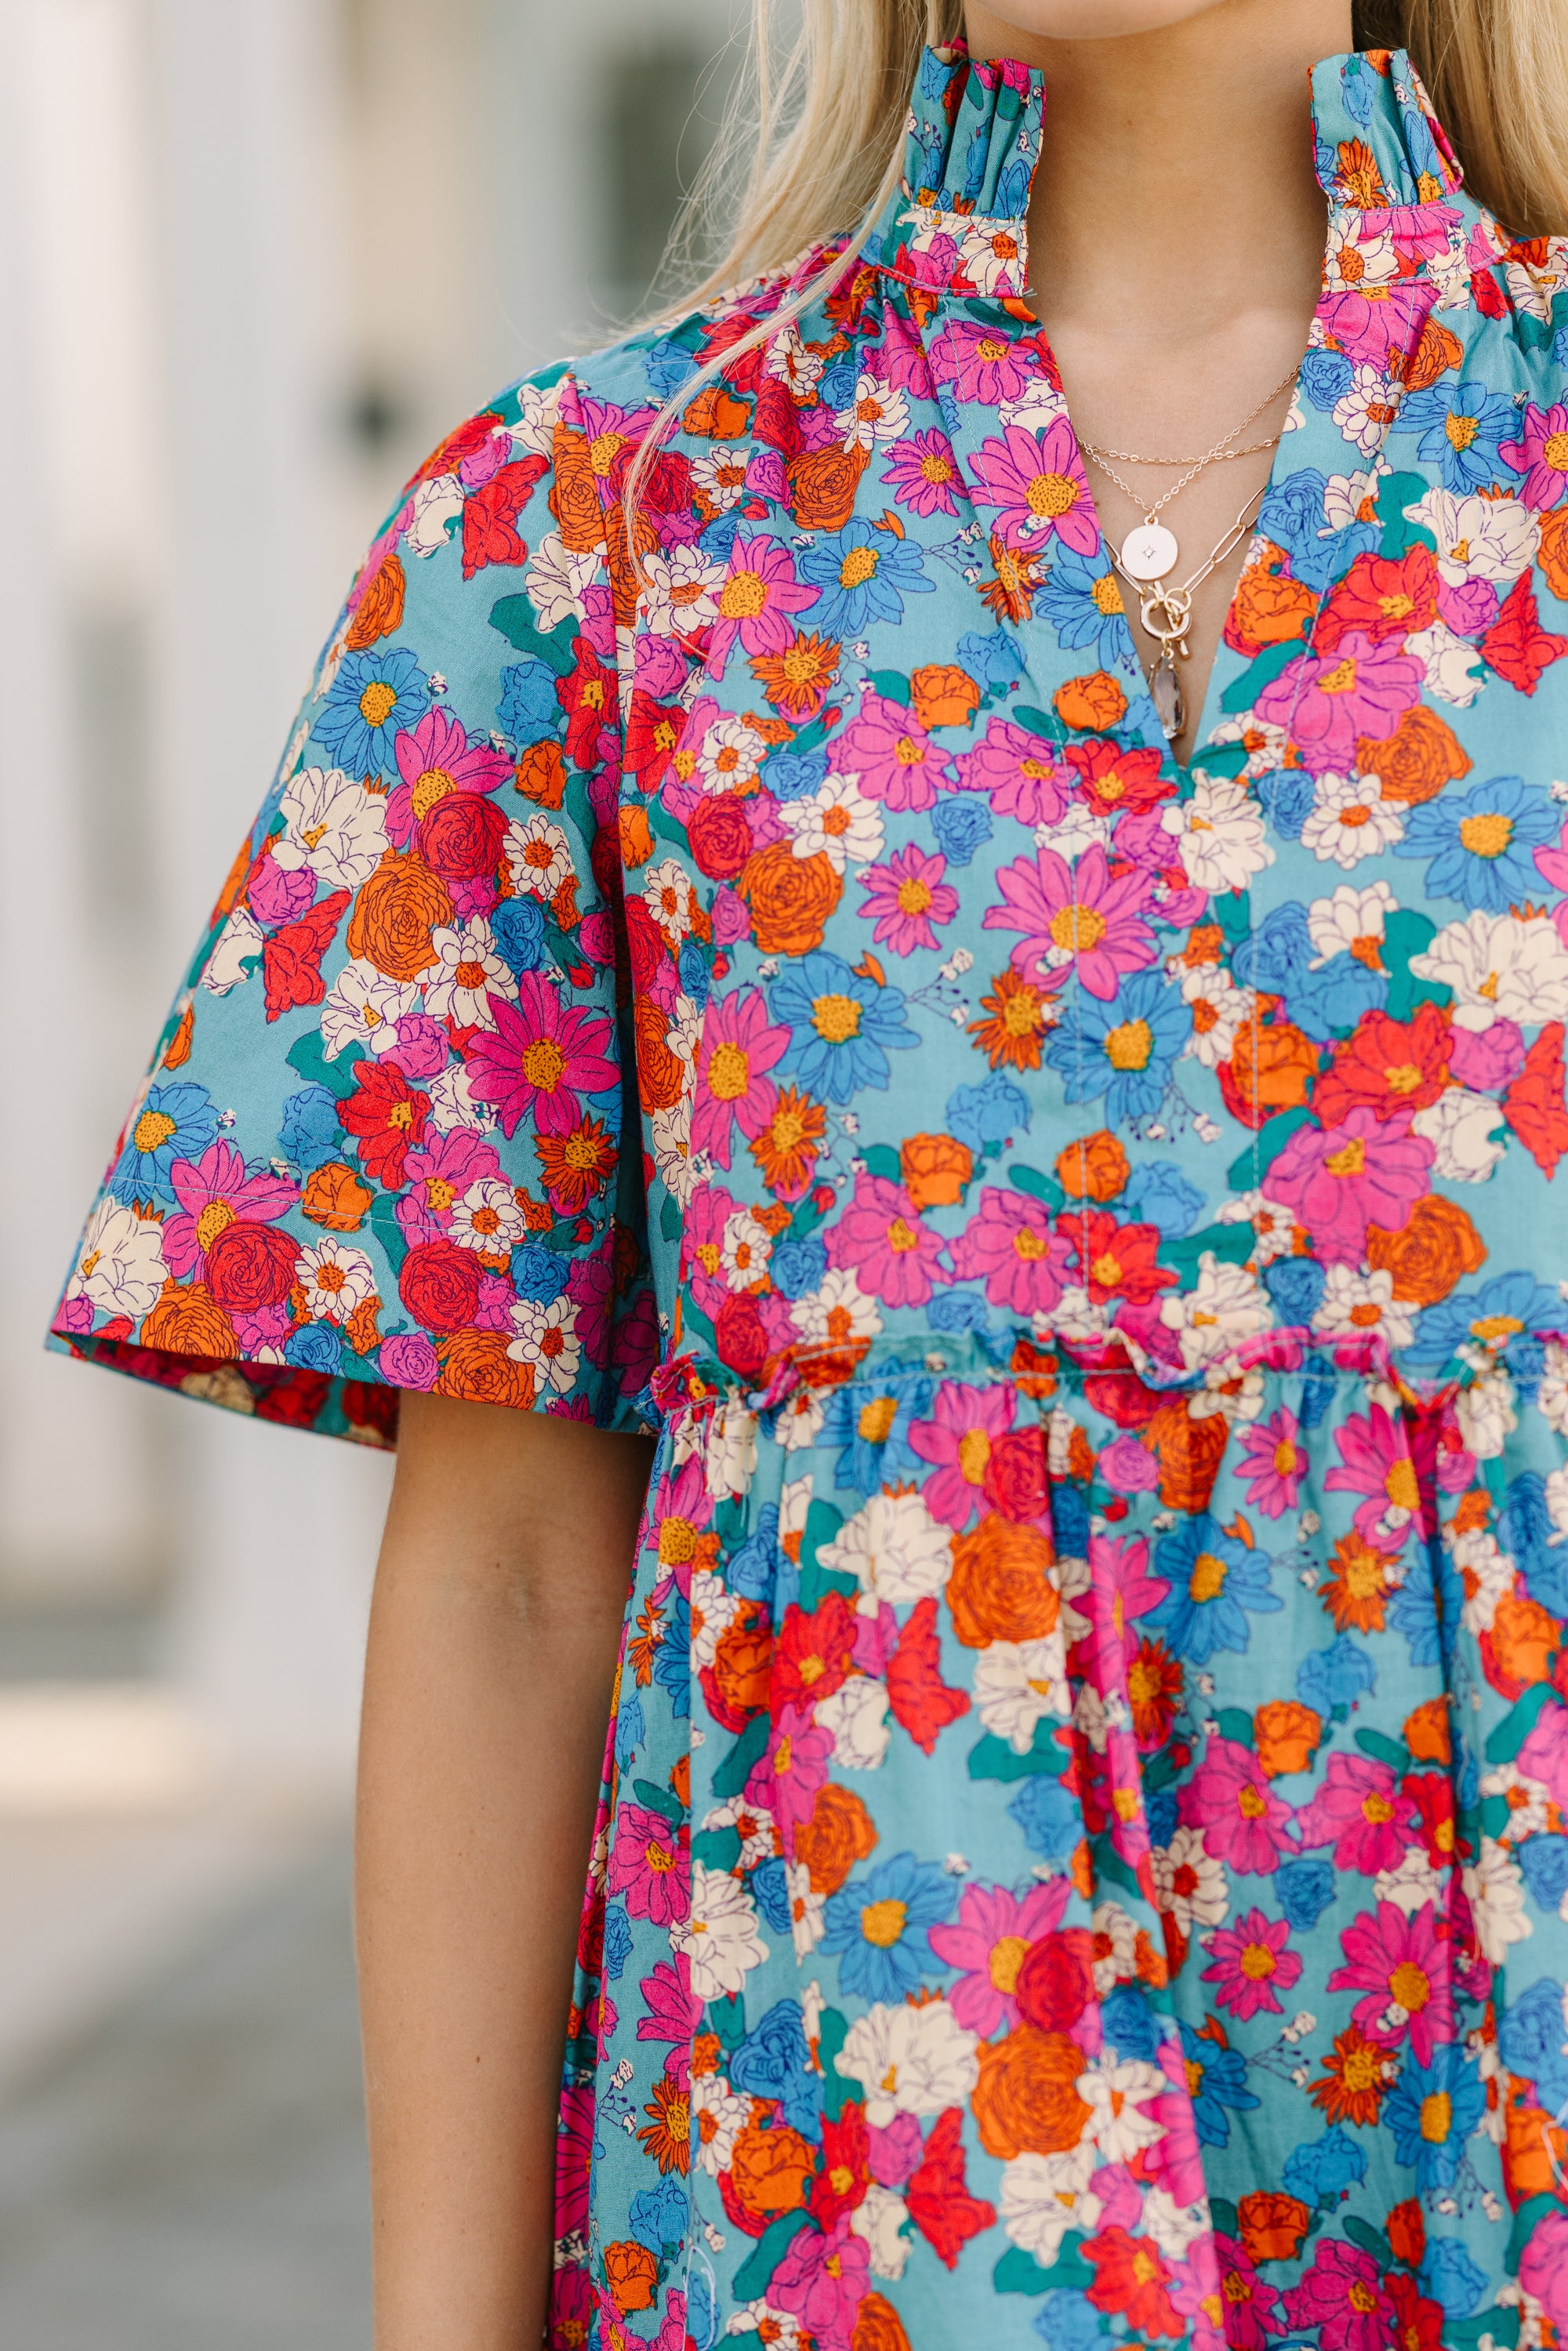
503,1577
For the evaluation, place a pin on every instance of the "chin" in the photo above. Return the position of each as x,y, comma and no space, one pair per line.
1098,20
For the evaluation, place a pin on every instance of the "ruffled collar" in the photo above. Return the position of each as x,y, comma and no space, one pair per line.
956,223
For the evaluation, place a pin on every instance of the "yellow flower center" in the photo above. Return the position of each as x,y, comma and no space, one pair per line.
1486,836
1251,1804
153,1129
1339,679
858,566
1007,1958
1401,1487
543,1064
215,1219
1350,1159
1285,1459
1376,1809
1461,431
1105,596
1403,1078
874,1424
1410,1987
881,1923
1130,1046
1554,451
728,1073
1077,929
1436,2117
1362,2296
1207,1581
433,786
378,702
902,1236
836,1018
743,596
1257,1961
934,469
1362,2069
974,1453
1029,1245
1052,493
914,897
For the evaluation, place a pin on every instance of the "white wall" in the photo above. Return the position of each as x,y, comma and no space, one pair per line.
217,217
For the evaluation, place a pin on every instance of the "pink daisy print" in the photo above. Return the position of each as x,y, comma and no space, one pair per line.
539,1058
738,1048
907,896
981,364
1230,1798
880,1238
1018,771
1540,455
759,593
214,1192
1361,1812
1250,1964
795,1766
1175,2159
923,474
434,759
890,754
1273,1463
1008,1245
1074,918
1375,1462
1401,1966
1324,701
649,1865
989,1942
957,1440
1120,1590
1337,1181
1036,482
436,1177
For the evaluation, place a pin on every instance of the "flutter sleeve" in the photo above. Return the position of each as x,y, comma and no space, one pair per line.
380,1145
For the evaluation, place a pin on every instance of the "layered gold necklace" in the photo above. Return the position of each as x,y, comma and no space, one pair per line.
1149,553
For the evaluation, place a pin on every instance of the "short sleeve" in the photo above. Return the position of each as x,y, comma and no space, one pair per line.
379,1144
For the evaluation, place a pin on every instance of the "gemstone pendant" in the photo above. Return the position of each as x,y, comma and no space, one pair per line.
1149,552
1170,704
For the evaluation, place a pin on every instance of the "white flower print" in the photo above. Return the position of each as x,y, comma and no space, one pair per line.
1019,1684
488,1218
876,413
1353,1302
1043,2196
1478,538
1460,1126
1220,832
363,1007
468,974
546,1339
1499,968
893,1547
1352,921
335,1279
856,1714
720,1937
912,2061
1189,1881
537,855
120,1268
1350,819
333,826
837,821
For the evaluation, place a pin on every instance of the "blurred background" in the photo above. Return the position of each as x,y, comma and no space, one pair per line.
254,260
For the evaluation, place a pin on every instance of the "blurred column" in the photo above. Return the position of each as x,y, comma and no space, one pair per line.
260,533
83,1477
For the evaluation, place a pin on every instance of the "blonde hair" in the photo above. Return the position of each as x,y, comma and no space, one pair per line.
813,138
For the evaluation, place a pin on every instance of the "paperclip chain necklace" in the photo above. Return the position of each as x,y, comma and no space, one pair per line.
1149,554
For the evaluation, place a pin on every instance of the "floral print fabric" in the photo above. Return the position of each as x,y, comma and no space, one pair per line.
1082,1847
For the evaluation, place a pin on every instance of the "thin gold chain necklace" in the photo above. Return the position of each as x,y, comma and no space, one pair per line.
1149,552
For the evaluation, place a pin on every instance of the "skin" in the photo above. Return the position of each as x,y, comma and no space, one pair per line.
1145,230
493,1630
510,1541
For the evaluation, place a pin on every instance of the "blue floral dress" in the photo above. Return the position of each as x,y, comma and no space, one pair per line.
1082,1850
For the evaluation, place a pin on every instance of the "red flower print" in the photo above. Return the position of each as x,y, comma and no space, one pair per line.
1131,2279
812,1655
388,1115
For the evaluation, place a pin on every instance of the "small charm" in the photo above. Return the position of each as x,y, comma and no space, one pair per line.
1169,702
1149,552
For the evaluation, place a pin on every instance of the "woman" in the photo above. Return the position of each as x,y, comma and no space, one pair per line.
829,906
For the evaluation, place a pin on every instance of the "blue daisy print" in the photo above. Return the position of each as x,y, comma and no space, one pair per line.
374,698
1482,842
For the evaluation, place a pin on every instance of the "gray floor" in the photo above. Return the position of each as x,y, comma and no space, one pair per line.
190,2177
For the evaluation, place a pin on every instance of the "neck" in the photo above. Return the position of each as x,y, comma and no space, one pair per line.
1174,163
